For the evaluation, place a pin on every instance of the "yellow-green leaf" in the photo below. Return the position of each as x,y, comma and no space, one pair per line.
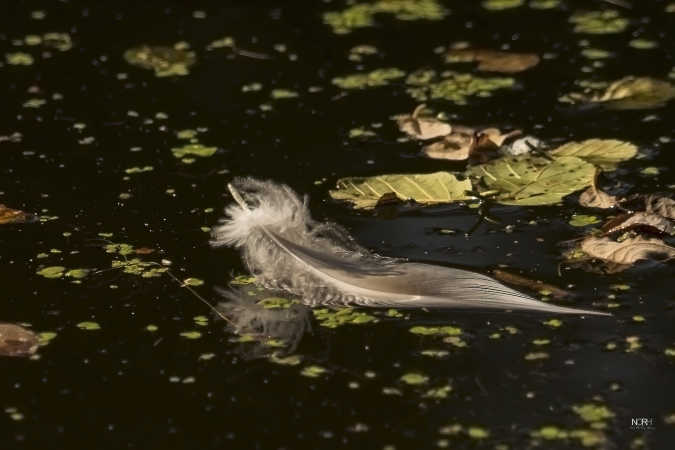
165,61
194,149
604,153
52,272
525,180
438,187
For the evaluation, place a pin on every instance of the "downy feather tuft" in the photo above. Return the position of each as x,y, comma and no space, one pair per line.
285,249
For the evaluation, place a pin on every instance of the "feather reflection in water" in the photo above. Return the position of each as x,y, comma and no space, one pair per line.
249,316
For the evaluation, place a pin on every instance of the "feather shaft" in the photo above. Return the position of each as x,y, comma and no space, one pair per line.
286,249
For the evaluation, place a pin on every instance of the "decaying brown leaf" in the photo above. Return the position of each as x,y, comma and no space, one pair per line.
493,60
463,141
593,197
9,215
456,143
628,251
626,93
456,146
422,128
663,206
529,283
17,341
642,221
494,137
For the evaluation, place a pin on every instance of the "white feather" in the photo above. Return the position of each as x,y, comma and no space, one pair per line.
285,249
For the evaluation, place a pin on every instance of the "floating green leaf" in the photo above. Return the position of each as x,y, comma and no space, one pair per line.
46,336
591,412
34,103
19,59
478,433
361,15
52,272
135,170
456,341
643,44
415,378
60,41
582,220
544,4
192,282
191,334
120,249
550,432
78,274
186,134
89,326
435,353
195,150
453,86
650,171
595,53
379,77
276,303
242,280
165,61
292,360
438,187
526,181
598,22
312,371
361,133
436,331
283,93
343,316
498,5
438,393
136,266
553,323
533,356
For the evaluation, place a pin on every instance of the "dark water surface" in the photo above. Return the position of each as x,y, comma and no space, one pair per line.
123,386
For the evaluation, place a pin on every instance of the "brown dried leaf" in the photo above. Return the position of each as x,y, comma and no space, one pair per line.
422,128
17,341
640,220
628,251
494,137
9,215
494,60
663,206
456,147
627,93
595,198
463,141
